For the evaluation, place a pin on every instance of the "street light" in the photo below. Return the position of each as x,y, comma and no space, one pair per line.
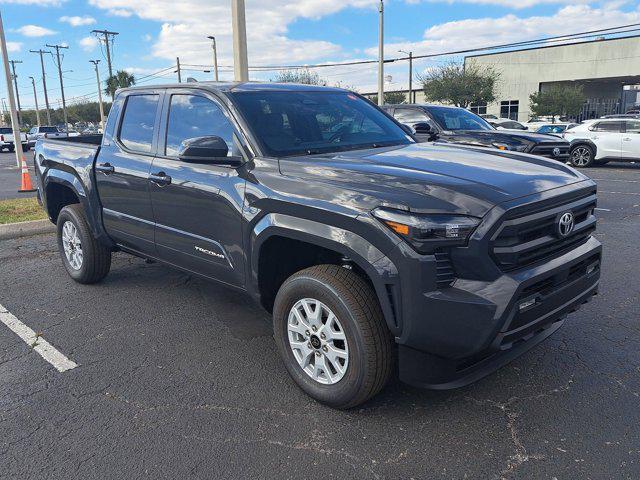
411,100
215,55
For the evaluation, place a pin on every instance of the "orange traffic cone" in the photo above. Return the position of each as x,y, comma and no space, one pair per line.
26,179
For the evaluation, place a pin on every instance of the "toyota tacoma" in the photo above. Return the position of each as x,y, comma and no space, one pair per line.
375,254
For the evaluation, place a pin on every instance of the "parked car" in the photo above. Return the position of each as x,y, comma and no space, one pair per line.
46,131
622,115
634,111
457,125
354,238
506,124
7,141
600,141
556,129
488,116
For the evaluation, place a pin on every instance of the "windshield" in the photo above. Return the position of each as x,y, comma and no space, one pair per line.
5,130
49,129
293,123
552,129
458,119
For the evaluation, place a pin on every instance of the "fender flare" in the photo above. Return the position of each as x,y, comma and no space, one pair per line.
72,182
378,267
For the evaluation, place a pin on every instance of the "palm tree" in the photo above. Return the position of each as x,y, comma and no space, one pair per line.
122,79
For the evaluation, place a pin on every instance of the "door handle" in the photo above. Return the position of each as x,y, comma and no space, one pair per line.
105,168
161,179
626,139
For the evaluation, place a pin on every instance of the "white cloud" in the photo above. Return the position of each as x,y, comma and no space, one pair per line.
41,3
35,31
482,32
88,44
267,23
147,38
120,12
13,47
77,21
513,4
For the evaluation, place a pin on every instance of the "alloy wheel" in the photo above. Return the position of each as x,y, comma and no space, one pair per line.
318,341
72,245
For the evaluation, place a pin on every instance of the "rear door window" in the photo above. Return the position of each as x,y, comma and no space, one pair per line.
138,120
633,126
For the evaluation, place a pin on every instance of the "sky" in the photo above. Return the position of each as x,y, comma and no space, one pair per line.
152,33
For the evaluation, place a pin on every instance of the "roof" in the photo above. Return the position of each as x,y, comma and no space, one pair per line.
568,44
242,86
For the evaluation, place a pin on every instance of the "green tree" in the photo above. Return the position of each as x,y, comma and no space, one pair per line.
83,112
390,98
460,84
304,76
122,79
558,100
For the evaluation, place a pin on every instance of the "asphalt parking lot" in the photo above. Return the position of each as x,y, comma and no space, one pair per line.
180,378
10,175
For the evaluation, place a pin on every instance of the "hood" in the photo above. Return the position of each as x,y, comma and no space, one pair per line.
426,177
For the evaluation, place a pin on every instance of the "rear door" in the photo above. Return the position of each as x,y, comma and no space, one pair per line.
607,136
198,207
631,140
122,169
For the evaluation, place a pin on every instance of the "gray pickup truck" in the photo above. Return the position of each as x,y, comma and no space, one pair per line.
373,252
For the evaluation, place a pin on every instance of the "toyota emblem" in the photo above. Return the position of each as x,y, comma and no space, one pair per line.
566,224
556,152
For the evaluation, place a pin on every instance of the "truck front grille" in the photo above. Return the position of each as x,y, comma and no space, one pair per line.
444,269
529,235
549,149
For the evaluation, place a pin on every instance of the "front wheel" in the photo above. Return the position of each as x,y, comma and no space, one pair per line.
332,336
86,260
582,156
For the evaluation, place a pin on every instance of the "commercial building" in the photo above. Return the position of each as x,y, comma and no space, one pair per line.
607,69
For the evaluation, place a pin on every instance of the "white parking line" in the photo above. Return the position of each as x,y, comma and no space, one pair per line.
39,344
614,180
603,209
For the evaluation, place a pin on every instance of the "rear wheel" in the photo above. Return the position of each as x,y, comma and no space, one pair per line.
582,156
332,335
11,149
86,260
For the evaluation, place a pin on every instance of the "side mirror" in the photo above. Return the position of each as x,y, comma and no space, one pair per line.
212,149
407,128
422,128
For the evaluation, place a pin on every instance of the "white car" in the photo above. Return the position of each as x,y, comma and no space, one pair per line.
556,129
7,142
47,131
506,124
597,142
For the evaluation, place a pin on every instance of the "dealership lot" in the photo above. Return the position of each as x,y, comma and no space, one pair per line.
179,377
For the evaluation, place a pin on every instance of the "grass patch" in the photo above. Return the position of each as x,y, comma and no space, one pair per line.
20,210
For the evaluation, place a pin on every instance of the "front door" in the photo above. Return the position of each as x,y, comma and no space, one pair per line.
122,170
198,206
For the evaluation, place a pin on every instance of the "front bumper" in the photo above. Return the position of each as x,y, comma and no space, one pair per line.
471,329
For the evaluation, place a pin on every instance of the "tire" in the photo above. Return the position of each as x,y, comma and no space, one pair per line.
582,156
368,343
11,149
25,148
94,260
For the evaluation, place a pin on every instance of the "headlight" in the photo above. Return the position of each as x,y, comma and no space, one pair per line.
429,231
514,148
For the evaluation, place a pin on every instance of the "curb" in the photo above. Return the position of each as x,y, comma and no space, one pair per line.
25,229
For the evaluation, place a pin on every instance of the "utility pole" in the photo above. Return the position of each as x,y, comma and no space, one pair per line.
15,83
95,63
215,56
240,62
411,100
178,70
381,54
35,96
106,34
12,104
44,82
64,103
